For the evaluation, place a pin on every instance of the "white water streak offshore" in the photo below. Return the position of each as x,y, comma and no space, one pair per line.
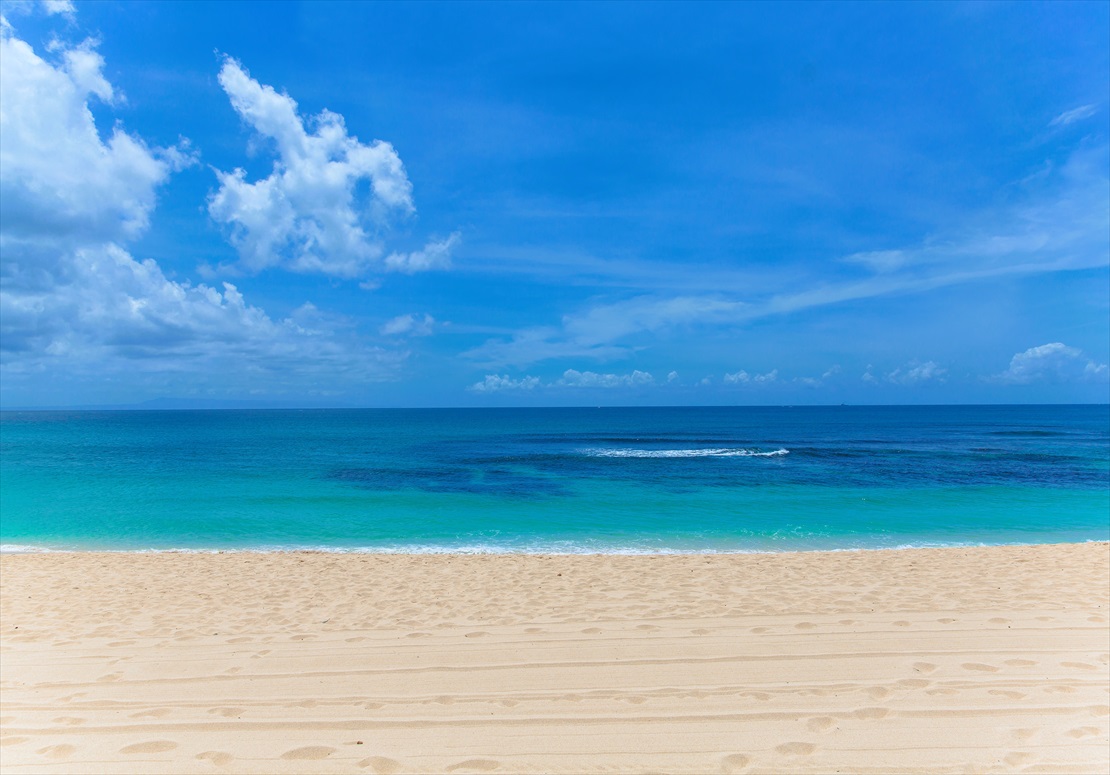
679,453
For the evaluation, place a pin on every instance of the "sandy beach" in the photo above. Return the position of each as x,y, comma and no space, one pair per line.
943,660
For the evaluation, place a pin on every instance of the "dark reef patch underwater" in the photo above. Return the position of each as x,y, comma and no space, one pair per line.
642,479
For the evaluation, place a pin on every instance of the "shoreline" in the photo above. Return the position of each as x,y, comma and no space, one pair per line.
948,659
493,551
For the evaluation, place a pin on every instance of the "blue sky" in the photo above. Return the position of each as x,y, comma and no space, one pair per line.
554,204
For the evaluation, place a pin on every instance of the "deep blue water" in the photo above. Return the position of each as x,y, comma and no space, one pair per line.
637,479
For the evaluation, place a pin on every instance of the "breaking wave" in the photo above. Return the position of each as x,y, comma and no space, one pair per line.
673,453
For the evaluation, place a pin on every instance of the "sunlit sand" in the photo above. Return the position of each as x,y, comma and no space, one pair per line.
947,660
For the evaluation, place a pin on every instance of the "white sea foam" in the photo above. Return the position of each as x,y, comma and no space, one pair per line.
673,453
23,549
535,548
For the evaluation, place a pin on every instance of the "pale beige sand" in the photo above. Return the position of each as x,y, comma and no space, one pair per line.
946,660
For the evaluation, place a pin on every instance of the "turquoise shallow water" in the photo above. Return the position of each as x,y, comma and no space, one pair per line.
574,480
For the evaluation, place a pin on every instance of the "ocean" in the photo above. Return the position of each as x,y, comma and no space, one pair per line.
612,480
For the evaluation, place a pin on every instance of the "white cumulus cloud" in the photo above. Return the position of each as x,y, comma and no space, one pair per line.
589,379
435,255
816,382
915,373
409,325
309,214
60,181
1052,362
744,378
59,7
75,304
496,382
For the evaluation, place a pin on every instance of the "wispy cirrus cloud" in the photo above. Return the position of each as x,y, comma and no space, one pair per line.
1073,115
594,331
1063,226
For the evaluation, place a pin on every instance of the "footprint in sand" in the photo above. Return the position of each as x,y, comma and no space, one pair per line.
153,713
761,629
475,765
1020,662
110,677
1080,732
227,712
71,721
419,635
924,667
901,623
381,765
804,626
1017,758
946,621
309,752
1060,690
871,714
979,667
218,758
57,751
476,634
1078,665
736,762
1005,693
591,631
796,749
153,746
820,723
998,620
1097,619
878,692
913,683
